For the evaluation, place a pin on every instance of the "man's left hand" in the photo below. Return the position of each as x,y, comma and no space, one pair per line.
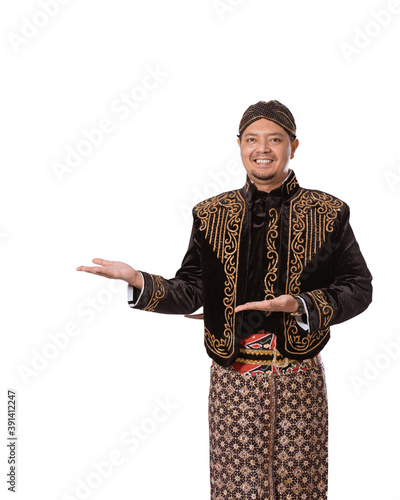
283,303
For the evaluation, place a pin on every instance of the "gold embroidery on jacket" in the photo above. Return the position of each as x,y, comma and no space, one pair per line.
311,217
221,220
325,311
158,292
297,343
291,185
272,255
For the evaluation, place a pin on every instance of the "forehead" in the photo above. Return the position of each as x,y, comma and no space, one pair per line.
264,126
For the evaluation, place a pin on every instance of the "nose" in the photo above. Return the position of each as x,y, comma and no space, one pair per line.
263,146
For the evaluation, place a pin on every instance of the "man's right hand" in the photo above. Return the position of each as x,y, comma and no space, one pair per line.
114,270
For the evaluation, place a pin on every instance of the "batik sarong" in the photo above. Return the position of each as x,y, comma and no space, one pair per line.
268,428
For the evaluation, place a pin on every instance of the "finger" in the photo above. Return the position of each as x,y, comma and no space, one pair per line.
258,306
84,268
194,316
102,262
94,270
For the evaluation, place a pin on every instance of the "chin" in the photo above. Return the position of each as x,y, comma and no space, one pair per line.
265,177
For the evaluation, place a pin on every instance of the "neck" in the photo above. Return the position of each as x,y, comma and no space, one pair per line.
268,186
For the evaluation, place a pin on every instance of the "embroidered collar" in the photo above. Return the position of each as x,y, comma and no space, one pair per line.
287,189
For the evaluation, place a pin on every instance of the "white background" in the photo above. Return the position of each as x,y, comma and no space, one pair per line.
129,200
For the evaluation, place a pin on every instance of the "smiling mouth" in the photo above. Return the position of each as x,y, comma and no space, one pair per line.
263,162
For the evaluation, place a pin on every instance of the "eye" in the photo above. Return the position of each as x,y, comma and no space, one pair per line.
276,139
250,139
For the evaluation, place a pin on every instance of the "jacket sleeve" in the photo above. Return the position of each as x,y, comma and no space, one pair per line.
350,290
182,294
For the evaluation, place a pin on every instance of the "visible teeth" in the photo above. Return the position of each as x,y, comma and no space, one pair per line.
263,161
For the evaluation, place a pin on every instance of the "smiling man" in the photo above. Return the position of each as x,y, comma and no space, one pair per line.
266,150
274,265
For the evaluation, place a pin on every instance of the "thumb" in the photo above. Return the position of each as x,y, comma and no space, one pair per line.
194,316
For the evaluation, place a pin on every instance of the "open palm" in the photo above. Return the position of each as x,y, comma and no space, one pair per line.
114,269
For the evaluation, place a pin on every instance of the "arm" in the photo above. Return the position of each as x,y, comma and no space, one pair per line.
182,294
350,291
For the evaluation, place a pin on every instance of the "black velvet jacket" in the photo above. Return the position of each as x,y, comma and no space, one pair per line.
299,242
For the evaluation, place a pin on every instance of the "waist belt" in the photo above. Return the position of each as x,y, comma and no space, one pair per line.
263,357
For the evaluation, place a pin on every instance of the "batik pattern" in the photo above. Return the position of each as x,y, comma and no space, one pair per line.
268,435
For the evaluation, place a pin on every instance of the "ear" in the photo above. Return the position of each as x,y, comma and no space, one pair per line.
294,146
238,141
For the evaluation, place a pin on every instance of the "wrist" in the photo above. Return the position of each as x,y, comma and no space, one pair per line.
300,307
136,280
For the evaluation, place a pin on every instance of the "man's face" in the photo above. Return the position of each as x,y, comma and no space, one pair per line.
266,150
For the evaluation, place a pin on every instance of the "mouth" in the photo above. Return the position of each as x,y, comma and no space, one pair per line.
263,162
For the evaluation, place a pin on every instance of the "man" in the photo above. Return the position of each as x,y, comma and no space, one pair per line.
274,265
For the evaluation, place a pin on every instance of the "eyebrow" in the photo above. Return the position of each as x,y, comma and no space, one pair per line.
253,133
